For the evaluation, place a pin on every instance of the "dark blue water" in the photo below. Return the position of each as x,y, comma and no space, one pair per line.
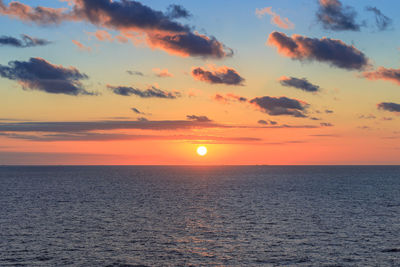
200,216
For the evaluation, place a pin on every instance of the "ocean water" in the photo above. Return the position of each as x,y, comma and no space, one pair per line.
200,216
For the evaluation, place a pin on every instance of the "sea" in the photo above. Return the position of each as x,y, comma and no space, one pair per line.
200,216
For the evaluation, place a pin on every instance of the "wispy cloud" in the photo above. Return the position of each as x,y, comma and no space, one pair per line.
229,97
151,92
284,23
133,72
25,41
382,22
81,46
392,75
162,73
334,16
198,118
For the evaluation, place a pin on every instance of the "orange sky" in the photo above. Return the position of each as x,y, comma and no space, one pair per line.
266,89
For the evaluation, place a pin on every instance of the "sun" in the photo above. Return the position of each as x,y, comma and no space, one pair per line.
202,151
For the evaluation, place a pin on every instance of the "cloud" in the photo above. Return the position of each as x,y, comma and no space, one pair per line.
334,52
387,119
367,117
177,11
162,73
39,15
85,126
159,28
132,72
136,111
151,92
389,106
78,127
198,118
326,124
275,18
302,84
25,41
229,97
276,106
189,44
264,122
103,35
218,75
118,137
81,46
39,74
382,73
382,22
142,119
327,111
333,16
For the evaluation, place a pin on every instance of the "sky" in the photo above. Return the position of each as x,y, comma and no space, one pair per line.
101,82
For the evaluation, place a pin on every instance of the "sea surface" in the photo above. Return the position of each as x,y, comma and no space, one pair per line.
200,216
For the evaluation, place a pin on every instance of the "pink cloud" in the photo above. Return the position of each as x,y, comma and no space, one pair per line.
81,46
162,73
283,23
392,75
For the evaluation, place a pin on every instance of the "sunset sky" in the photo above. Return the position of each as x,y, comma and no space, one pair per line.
147,82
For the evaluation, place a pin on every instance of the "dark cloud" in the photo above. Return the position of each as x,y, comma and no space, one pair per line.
387,119
325,135
118,137
25,41
382,22
382,73
151,92
38,74
334,16
389,106
229,97
327,111
125,15
275,106
198,118
138,73
367,117
136,111
190,44
79,127
286,142
221,75
331,51
326,124
159,28
142,119
264,122
177,11
84,126
302,84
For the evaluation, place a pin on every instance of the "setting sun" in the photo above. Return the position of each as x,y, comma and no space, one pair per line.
202,150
